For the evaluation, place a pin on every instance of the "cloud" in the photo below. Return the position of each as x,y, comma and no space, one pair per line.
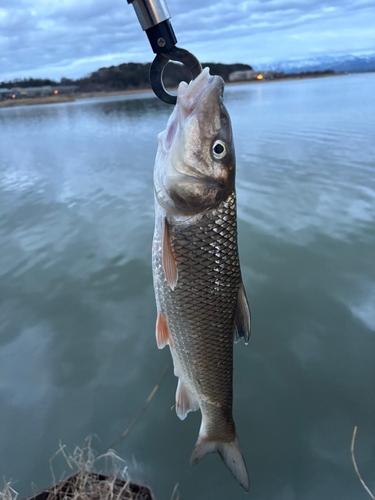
73,38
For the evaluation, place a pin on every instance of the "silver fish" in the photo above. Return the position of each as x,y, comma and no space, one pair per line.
201,301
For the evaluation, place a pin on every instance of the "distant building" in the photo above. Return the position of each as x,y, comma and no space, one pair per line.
5,94
243,76
46,90
66,89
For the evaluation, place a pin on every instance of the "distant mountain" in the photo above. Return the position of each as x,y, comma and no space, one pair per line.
350,63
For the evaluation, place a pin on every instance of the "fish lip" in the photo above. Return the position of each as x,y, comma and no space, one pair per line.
189,99
210,182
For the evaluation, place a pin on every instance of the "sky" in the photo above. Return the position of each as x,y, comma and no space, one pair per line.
72,38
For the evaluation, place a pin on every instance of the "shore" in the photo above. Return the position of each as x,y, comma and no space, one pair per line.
53,99
32,101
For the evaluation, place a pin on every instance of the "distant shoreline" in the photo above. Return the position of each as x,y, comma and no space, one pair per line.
54,99
33,101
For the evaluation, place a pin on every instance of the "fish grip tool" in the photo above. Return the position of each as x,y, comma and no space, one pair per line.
154,18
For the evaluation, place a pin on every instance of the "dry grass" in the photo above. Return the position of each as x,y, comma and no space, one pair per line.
8,492
86,483
355,464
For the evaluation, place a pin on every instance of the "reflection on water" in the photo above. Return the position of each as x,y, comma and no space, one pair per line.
77,312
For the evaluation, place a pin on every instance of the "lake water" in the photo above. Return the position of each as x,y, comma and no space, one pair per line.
77,313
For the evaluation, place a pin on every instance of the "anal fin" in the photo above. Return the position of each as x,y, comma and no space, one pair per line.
242,317
185,401
168,259
162,332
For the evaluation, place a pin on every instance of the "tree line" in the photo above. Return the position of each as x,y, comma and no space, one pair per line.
127,76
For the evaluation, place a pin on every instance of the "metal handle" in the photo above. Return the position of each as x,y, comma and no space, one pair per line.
153,16
150,12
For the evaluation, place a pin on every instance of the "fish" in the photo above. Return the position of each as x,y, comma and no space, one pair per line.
202,308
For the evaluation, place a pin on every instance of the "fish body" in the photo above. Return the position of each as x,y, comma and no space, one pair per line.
201,301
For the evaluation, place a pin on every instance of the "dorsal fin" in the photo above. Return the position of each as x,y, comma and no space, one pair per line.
168,259
242,317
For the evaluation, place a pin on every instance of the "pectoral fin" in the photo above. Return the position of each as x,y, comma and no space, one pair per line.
168,259
242,317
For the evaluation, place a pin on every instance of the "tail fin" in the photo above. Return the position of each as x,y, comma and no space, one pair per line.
230,453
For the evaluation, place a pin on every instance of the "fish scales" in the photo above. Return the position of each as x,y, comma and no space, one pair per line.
201,309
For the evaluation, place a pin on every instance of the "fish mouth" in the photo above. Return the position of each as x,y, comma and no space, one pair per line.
191,97
211,183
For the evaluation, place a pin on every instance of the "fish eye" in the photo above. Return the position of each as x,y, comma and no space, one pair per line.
219,150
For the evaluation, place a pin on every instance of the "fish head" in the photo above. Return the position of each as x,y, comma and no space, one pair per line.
195,162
